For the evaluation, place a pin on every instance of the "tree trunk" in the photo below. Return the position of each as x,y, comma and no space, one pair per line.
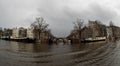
80,37
39,36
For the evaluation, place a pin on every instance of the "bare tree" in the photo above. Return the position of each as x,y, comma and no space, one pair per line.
78,24
39,26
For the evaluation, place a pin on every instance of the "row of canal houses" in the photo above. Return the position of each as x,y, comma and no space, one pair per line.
26,33
95,30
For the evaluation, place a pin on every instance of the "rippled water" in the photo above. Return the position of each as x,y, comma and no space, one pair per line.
90,54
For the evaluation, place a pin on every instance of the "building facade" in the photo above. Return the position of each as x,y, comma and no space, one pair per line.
109,32
19,32
30,33
98,29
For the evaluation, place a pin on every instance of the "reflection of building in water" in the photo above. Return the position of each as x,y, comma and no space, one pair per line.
21,47
28,47
41,47
60,48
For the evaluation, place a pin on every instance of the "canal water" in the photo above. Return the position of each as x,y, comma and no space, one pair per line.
89,54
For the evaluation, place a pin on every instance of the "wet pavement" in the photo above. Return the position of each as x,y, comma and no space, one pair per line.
89,54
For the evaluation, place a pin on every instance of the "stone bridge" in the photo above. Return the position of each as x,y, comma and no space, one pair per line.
61,40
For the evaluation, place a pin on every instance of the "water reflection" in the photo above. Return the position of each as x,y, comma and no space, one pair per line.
28,47
90,54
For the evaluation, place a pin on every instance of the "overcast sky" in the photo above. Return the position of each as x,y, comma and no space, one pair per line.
60,14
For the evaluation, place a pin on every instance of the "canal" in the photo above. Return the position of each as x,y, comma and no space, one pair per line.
89,54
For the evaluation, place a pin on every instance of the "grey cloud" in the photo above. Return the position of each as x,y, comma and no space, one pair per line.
58,13
102,12
93,12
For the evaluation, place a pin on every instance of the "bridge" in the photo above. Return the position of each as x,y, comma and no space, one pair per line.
61,40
